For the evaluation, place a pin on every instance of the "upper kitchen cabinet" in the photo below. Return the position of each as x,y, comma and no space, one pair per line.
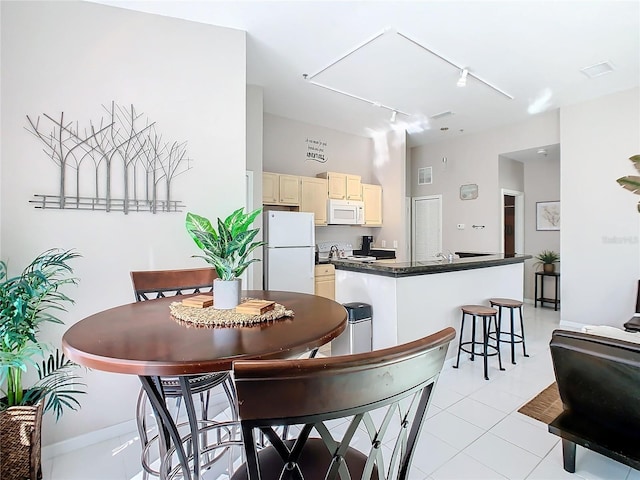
342,186
280,189
313,198
372,197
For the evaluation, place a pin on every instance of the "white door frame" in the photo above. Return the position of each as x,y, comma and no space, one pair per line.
518,220
413,220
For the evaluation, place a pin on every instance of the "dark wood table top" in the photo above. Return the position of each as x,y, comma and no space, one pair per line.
142,339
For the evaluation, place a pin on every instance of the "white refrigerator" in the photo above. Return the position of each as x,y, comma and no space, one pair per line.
289,254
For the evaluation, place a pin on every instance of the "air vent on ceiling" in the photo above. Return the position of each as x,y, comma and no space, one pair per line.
442,115
425,176
597,69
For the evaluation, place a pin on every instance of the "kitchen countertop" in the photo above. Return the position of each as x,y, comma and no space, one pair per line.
394,268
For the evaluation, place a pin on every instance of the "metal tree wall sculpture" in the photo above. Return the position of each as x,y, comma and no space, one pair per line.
123,154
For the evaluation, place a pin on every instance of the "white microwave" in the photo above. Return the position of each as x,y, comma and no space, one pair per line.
345,212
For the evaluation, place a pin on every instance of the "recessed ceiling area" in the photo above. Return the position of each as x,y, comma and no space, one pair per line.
395,72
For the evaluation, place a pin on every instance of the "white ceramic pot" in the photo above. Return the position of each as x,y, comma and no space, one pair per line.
226,293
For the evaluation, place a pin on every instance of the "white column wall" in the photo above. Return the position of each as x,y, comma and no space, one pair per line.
74,57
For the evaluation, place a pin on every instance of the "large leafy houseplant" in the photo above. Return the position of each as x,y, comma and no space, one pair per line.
227,248
27,301
632,182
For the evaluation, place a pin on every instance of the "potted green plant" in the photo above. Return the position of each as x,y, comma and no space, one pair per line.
548,259
27,301
227,249
632,182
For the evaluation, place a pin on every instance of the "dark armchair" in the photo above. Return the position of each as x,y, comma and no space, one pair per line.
599,382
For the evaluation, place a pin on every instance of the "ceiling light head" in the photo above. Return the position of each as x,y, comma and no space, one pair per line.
542,151
393,116
462,81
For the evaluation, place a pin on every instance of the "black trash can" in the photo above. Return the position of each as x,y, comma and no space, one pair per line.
357,336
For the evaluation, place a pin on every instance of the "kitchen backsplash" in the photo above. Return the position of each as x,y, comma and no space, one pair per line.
344,234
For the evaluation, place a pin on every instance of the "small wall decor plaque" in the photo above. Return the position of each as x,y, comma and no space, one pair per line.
469,191
121,153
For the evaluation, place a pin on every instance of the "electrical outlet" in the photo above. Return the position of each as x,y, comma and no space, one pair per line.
395,244
461,226
383,243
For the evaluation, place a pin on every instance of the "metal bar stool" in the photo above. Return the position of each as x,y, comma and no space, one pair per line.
514,338
487,315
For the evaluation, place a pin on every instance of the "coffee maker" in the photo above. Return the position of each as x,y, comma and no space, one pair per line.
367,243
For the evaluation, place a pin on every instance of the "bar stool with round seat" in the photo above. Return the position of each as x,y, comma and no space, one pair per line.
487,314
513,337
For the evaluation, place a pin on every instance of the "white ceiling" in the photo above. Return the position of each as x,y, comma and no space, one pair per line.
532,50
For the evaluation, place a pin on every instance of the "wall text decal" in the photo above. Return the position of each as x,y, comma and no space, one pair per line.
315,150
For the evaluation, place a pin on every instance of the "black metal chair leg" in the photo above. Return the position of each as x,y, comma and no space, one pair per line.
473,337
498,346
485,331
460,342
513,339
524,347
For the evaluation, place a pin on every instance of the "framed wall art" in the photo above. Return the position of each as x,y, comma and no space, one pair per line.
548,215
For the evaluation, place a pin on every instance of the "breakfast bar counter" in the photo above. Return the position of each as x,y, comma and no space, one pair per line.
411,300
393,268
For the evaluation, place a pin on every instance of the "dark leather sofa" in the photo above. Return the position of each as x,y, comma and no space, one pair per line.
599,383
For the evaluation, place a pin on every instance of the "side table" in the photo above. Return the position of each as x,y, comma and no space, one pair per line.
542,299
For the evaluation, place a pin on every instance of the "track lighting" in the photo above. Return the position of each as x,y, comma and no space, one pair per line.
462,81
393,116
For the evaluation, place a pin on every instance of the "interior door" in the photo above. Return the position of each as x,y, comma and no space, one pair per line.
426,226
509,225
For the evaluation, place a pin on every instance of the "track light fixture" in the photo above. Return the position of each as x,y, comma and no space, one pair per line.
393,116
462,81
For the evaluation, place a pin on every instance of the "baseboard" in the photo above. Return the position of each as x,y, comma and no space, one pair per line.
84,440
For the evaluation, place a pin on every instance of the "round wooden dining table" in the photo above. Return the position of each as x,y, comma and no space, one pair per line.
143,339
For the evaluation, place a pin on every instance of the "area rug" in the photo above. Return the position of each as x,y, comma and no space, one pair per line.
545,406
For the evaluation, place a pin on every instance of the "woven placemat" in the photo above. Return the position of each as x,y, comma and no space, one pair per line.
210,317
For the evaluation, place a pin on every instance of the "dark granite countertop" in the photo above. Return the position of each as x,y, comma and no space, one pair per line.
394,268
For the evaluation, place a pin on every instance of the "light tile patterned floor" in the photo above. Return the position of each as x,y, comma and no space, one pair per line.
473,429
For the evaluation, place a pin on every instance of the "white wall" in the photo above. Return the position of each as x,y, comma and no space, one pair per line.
285,150
541,184
600,223
72,57
474,159
510,174
254,164
389,170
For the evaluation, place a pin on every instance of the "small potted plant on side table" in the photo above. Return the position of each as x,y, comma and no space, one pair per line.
548,260
227,249
26,302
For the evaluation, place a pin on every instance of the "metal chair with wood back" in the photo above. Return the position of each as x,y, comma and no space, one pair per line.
383,395
149,285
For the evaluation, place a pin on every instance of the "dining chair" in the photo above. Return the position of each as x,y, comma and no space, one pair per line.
152,284
354,416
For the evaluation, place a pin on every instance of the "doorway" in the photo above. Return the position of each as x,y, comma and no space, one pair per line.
512,231
426,226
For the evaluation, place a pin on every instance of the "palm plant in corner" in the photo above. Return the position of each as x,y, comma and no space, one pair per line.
27,301
632,182
228,249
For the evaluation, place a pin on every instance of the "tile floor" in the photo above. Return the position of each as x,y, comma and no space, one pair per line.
473,429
